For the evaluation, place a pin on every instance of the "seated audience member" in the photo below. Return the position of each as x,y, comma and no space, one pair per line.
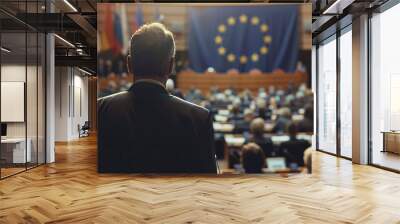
246,98
284,118
262,110
293,150
147,130
253,158
307,124
236,115
170,86
257,136
244,124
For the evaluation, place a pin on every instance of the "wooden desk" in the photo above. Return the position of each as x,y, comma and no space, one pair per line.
223,127
13,150
186,80
391,141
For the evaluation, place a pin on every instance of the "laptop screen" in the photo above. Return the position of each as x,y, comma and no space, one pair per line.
276,163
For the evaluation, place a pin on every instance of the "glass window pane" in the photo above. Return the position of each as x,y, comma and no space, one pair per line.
385,84
41,98
327,97
346,94
31,97
13,86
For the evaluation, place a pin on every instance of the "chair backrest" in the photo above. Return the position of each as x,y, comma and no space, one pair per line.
295,151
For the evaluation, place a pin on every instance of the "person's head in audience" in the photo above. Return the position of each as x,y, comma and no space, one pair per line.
260,102
271,90
248,115
292,129
257,127
272,103
309,113
152,53
284,112
236,106
253,158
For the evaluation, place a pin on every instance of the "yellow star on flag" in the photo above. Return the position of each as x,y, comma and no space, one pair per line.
264,50
254,57
255,20
243,18
218,39
221,50
264,28
231,57
243,59
231,21
222,28
267,39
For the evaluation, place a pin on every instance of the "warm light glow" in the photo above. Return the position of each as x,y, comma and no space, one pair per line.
84,71
5,50
65,41
71,6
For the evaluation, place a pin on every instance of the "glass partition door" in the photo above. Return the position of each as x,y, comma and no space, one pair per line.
22,77
385,89
346,93
327,96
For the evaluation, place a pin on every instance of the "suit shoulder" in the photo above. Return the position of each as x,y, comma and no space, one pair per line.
189,105
113,97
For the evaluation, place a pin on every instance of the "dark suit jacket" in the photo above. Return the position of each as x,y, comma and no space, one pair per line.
147,130
293,150
265,143
306,125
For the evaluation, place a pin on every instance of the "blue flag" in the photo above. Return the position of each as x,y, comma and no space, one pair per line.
244,38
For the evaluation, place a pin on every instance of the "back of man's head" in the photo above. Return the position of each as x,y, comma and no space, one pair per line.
257,126
253,158
152,51
292,129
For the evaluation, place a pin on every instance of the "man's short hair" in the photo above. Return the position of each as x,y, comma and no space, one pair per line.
253,158
257,126
152,48
292,128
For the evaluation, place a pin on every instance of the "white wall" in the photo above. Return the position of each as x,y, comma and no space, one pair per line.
71,103
12,73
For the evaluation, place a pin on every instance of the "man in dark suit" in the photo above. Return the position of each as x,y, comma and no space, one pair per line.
307,124
258,137
293,150
147,130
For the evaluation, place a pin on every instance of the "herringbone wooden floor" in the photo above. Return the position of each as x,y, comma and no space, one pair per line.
70,191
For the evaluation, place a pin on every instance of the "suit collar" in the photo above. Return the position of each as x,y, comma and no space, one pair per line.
150,81
148,87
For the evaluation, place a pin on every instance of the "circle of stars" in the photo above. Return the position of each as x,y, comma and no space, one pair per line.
243,19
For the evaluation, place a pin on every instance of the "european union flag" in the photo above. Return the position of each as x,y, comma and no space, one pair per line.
243,37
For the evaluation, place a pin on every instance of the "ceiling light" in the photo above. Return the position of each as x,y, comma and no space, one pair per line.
331,7
65,41
337,7
70,5
5,50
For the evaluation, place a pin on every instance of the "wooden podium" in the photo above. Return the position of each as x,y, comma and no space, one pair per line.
252,81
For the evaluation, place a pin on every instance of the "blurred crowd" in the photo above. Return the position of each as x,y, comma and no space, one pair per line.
257,117
278,106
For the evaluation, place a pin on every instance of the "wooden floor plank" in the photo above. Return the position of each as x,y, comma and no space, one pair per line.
71,191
